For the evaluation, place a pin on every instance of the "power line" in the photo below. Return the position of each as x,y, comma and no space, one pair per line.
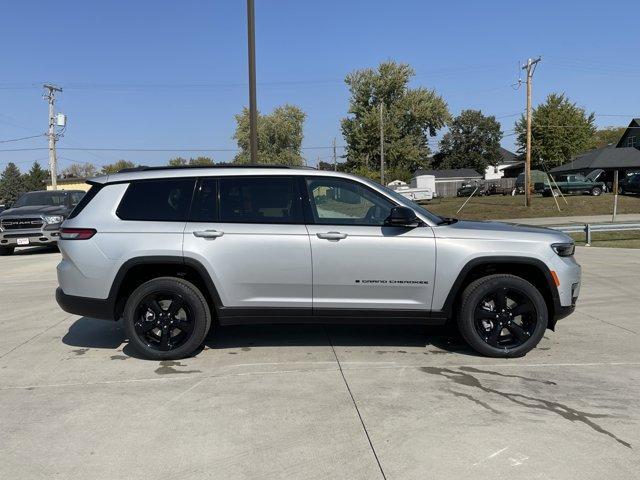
187,149
22,138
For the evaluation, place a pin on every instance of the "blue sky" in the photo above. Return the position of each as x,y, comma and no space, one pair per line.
168,74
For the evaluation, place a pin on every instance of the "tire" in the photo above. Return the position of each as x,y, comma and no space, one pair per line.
154,331
6,251
596,191
620,191
485,332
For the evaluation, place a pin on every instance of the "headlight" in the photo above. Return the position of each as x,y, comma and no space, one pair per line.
53,219
564,249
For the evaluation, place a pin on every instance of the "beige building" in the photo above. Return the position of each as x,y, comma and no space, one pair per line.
70,184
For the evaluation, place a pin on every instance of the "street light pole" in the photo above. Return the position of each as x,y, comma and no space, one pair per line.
253,109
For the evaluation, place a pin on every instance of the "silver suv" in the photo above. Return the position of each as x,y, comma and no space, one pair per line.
172,251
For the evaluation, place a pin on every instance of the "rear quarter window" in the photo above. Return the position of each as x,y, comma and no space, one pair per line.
84,199
157,200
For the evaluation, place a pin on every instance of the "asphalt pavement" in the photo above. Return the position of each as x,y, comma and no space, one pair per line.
319,402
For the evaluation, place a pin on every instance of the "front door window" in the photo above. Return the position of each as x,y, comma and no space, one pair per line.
335,201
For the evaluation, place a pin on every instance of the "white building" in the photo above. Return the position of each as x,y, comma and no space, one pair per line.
509,159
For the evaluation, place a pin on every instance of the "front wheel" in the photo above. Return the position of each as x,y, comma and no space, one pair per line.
166,318
502,316
596,191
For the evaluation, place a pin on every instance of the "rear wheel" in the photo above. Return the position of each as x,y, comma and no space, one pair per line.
502,316
6,250
166,318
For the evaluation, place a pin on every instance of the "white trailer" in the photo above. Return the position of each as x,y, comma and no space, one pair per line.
423,187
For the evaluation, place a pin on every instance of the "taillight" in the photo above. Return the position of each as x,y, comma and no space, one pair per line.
77,233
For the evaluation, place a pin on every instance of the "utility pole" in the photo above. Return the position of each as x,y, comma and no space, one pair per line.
381,144
335,158
253,109
530,68
50,96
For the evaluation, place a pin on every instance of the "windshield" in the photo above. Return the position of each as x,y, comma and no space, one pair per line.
418,208
33,199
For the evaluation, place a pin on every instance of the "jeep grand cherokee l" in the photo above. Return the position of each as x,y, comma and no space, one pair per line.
174,252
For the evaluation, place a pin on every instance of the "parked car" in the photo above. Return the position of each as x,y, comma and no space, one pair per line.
497,189
2,208
35,218
538,180
630,184
572,183
169,250
468,188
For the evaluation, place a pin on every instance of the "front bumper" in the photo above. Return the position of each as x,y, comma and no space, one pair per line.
47,235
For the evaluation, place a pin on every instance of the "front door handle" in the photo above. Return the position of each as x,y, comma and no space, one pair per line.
335,236
209,234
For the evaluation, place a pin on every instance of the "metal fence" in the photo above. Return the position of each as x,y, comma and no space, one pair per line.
450,189
588,228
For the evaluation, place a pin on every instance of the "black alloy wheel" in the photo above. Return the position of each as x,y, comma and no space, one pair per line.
166,318
164,321
505,318
502,315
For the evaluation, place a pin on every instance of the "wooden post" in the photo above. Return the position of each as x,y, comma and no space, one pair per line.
615,195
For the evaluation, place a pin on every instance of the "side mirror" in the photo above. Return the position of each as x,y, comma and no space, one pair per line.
402,217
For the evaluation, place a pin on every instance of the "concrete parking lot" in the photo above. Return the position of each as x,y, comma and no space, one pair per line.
314,402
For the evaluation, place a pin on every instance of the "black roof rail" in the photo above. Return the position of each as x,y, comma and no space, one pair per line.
145,168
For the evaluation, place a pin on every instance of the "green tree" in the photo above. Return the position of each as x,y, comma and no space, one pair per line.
117,166
279,136
410,116
177,162
80,170
560,130
11,184
607,136
35,178
473,141
194,162
201,162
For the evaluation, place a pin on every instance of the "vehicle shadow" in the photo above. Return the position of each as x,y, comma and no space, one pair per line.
93,333
255,336
36,250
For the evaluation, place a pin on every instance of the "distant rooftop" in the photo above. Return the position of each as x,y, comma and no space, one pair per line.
450,173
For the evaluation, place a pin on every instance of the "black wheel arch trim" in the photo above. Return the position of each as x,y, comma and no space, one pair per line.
110,308
558,310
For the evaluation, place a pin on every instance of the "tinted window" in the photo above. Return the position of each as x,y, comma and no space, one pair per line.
160,200
33,199
259,200
344,202
205,207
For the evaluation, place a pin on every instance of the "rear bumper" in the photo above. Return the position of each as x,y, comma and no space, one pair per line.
84,306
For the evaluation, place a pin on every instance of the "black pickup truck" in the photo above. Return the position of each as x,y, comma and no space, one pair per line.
35,218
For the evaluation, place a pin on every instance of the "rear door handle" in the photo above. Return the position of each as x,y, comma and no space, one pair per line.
210,234
332,236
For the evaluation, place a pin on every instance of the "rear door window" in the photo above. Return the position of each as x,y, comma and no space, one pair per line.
205,204
259,200
157,200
